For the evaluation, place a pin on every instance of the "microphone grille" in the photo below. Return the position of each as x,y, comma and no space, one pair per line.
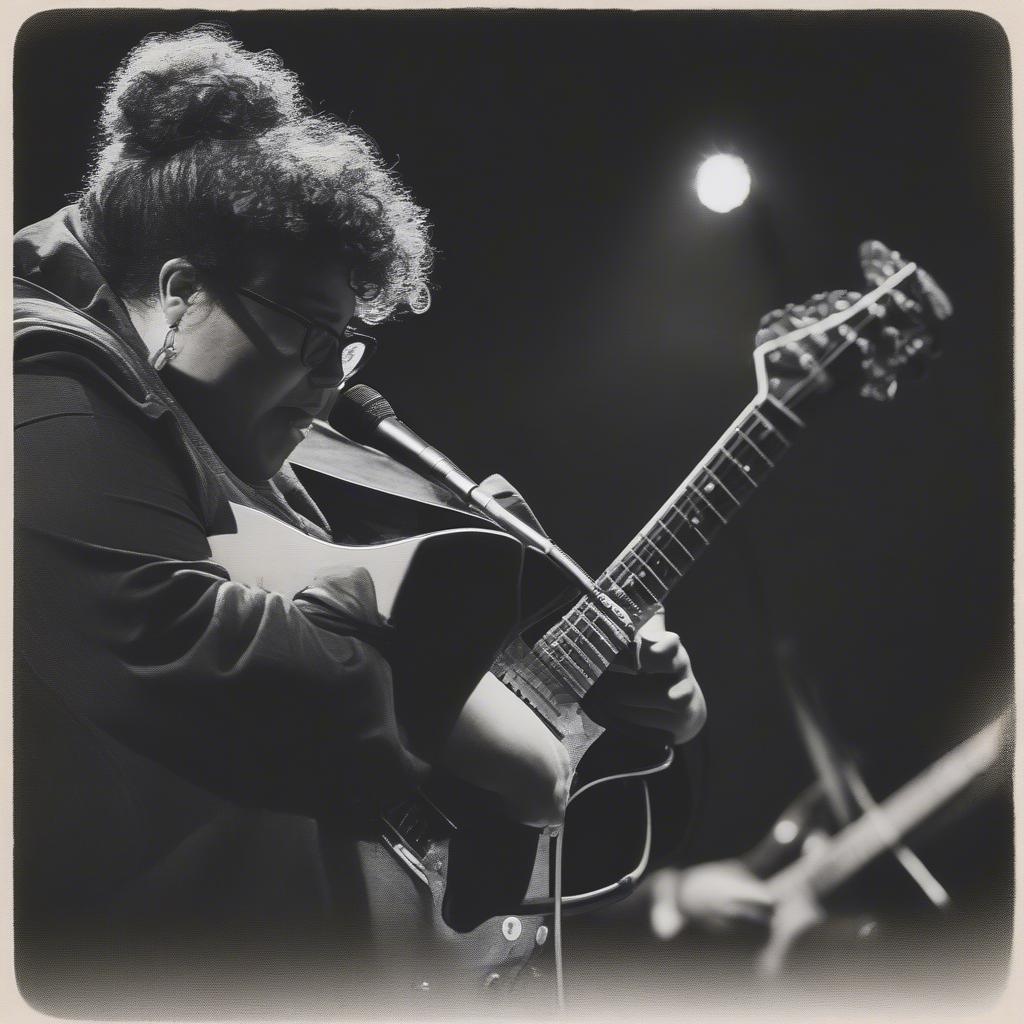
357,412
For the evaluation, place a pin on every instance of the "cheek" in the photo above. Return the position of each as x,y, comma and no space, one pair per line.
248,381
212,347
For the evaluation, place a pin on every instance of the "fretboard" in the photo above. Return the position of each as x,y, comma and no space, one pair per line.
577,650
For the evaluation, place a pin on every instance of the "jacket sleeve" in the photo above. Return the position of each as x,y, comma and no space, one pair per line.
122,615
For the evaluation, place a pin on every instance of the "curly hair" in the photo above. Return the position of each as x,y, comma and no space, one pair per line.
205,148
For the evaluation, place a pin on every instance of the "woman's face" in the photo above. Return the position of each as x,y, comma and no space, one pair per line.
239,372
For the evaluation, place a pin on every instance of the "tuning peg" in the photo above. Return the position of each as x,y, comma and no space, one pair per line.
893,339
937,299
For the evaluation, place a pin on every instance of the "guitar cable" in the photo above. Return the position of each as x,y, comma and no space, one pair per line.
637,872
557,922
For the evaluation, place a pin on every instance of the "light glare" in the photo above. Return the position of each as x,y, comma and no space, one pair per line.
723,182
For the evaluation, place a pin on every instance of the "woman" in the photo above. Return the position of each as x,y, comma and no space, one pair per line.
179,733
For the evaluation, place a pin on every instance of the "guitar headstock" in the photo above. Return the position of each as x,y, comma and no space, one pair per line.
843,336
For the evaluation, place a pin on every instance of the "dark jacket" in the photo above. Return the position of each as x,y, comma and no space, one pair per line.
179,736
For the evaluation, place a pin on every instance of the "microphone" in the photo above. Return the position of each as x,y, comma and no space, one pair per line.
366,416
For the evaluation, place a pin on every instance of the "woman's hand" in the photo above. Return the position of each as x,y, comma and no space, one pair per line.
664,696
718,895
500,745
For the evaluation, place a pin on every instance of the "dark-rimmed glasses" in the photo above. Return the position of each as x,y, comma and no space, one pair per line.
334,358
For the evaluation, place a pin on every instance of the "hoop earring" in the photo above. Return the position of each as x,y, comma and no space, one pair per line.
167,352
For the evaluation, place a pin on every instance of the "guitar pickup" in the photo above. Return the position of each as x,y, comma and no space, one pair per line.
416,823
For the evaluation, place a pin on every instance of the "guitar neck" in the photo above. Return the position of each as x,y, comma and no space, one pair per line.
581,645
885,825
658,557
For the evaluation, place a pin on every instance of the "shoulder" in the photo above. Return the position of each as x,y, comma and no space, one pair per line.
46,391
70,413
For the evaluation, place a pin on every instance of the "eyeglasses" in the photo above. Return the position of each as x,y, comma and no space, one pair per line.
333,357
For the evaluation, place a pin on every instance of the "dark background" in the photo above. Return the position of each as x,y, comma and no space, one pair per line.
592,325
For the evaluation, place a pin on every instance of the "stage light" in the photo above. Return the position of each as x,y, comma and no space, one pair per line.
723,182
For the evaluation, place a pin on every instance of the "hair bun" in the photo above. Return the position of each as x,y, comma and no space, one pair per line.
173,91
162,115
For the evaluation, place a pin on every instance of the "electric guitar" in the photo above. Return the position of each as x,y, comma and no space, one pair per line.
799,887
494,870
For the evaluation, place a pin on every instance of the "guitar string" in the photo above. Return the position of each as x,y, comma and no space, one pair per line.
676,510
663,555
811,381
688,512
560,631
686,507
544,645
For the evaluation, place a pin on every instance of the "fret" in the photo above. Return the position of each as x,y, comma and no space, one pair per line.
777,429
791,416
593,628
707,501
595,666
630,580
746,438
690,539
770,427
565,655
693,521
581,613
630,584
662,556
592,667
557,661
648,568
659,525
728,468
550,648
715,481
742,467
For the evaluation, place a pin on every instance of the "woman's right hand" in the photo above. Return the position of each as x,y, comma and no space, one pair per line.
499,745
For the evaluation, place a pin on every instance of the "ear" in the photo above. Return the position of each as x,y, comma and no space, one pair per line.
178,285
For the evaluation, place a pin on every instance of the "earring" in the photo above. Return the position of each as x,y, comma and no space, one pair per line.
163,355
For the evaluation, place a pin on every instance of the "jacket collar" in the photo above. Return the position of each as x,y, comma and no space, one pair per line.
53,254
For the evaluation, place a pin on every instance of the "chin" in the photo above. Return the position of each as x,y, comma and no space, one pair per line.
257,466
274,454
266,449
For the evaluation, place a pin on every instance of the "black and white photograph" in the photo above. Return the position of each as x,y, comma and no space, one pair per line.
513,513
